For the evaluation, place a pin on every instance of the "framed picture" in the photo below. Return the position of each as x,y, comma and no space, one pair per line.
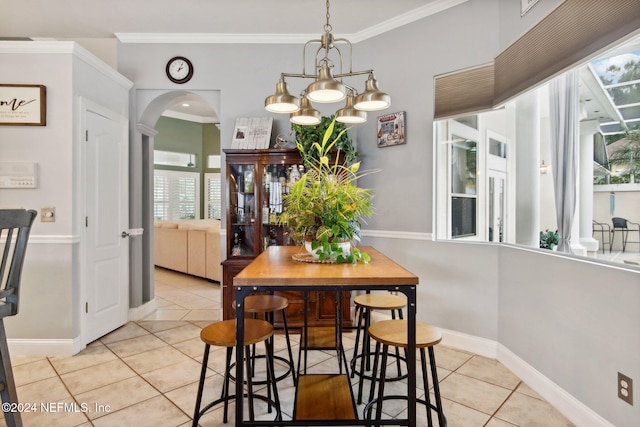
525,5
391,129
23,105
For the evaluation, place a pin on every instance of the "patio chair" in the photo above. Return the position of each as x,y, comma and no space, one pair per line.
623,226
15,246
604,230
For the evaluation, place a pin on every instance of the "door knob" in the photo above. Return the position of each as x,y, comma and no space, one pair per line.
125,234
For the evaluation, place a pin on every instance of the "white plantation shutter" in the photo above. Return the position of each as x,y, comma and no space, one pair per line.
176,195
213,195
160,196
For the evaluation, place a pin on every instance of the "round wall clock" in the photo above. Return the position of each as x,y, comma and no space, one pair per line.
179,70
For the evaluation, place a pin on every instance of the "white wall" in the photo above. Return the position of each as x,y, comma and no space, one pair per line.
49,306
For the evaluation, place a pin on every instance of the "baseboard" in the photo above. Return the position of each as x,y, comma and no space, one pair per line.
43,347
576,411
480,346
139,313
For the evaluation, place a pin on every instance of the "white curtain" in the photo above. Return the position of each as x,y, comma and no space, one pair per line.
564,104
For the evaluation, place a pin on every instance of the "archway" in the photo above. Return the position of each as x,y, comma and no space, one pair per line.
149,106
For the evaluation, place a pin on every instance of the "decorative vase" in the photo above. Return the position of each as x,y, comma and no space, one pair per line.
307,246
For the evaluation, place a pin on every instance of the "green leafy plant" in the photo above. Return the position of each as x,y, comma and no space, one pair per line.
332,251
326,206
307,136
626,159
548,239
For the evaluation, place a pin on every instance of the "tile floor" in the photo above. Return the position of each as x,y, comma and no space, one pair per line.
145,374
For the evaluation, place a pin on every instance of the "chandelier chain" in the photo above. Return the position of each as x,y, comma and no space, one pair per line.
327,26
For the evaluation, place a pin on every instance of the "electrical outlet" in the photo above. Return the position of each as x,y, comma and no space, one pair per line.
625,388
48,214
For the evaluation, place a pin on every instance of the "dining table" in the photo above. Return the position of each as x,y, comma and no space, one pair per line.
286,268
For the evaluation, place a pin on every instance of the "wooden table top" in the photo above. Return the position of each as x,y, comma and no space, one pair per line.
276,267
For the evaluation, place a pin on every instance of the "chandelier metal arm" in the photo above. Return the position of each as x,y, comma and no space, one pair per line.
304,54
315,76
340,53
327,87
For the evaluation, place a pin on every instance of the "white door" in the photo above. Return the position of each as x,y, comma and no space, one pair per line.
106,285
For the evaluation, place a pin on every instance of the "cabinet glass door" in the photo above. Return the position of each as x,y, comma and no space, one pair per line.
276,183
242,210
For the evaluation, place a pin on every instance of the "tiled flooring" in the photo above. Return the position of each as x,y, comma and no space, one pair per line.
146,373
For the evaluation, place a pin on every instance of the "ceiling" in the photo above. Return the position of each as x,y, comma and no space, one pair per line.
105,18
277,20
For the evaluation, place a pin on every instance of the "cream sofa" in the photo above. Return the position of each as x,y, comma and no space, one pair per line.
189,246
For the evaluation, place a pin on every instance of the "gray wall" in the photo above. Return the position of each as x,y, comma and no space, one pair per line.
544,308
576,322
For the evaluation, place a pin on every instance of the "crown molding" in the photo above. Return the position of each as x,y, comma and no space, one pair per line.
405,19
229,38
65,47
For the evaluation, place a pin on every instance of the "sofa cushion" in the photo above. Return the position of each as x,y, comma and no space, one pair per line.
200,224
165,224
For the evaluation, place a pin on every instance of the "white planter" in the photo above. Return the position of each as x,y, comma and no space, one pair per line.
346,248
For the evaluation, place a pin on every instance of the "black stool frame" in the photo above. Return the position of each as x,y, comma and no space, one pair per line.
226,397
437,406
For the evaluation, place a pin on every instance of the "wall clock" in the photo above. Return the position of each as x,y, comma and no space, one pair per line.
179,69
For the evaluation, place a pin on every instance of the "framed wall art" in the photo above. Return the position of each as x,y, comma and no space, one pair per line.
391,129
23,105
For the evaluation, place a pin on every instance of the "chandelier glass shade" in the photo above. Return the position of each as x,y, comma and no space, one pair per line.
349,114
282,101
328,87
372,99
306,114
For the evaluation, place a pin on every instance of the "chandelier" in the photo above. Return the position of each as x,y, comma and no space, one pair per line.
327,87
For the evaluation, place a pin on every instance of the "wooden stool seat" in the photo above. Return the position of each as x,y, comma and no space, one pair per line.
381,301
264,303
223,334
394,333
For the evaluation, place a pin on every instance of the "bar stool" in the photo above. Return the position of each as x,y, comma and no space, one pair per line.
267,305
364,305
394,333
223,334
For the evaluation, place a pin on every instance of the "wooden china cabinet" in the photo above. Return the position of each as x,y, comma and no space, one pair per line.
257,181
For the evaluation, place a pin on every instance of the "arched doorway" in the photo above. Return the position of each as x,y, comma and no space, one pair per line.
150,105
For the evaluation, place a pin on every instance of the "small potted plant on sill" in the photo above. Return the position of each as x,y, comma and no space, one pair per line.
548,239
325,208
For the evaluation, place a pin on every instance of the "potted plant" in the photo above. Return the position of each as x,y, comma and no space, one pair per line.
325,207
548,239
306,136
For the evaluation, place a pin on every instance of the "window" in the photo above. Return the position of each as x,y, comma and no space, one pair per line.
176,195
472,201
171,158
463,187
213,195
